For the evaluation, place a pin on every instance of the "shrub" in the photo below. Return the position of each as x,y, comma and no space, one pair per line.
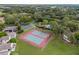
77,36
20,31
13,40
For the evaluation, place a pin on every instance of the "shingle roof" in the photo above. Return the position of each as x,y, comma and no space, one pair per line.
4,52
5,46
4,38
11,34
10,28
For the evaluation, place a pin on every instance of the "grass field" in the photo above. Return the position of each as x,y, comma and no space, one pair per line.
54,47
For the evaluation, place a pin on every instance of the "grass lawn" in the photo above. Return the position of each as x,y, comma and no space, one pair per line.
2,34
54,47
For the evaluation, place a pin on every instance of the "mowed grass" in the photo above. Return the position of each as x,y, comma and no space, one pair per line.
55,47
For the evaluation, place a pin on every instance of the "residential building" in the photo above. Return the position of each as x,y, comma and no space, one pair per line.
4,39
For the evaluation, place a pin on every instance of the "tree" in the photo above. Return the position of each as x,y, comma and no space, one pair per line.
2,23
61,29
25,19
73,26
77,36
55,26
45,22
38,16
2,26
19,29
13,40
74,38
10,20
65,21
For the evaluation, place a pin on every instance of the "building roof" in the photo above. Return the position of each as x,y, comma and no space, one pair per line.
4,38
10,28
5,53
11,34
67,33
48,26
5,46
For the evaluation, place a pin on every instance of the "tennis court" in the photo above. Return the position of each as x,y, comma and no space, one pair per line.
36,38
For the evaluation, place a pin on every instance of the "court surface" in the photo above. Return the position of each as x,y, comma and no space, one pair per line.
36,38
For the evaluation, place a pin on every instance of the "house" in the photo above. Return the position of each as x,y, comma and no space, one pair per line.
5,52
66,38
6,48
48,26
10,29
4,39
66,35
11,34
